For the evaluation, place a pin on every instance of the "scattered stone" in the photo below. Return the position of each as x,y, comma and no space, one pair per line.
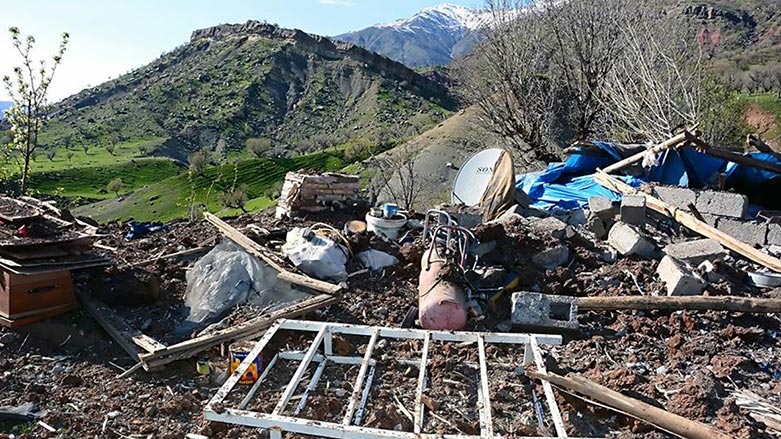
553,227
679,197
750,232
596,225
722,204
522,198
697,251
540,310
552,258
603,208
679,279
633,210
628,240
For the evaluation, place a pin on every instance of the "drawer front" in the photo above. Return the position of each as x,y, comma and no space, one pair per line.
27,294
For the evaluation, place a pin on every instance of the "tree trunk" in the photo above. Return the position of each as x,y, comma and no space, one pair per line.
25,172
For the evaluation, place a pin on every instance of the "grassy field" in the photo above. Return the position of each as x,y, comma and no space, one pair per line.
173,197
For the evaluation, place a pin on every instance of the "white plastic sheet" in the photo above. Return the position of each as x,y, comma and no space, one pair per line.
315,255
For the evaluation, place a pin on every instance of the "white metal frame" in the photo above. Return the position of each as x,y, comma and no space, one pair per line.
350,427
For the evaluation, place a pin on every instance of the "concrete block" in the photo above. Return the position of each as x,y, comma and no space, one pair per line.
553,227
773,235
573,217
540,310
696,252
552,258
596,226
679,279
679,197
722,203
603,208
750,232
628,240
633,210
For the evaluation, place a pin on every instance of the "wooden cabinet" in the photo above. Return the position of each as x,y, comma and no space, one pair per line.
28,298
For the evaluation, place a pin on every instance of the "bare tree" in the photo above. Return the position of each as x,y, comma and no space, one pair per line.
585,50
28,90
398,178
508,79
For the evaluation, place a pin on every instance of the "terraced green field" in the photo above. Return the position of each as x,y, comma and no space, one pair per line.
174,197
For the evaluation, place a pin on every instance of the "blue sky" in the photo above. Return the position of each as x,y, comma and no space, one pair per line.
111,37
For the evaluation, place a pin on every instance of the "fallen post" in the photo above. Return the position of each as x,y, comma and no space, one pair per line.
691,222
666,421
734,157
257,250
674,303
667,144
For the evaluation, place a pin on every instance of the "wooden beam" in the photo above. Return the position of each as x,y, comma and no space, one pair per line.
691,222
667,144
258,250
666,421
674,303
246,330
116,327
726,154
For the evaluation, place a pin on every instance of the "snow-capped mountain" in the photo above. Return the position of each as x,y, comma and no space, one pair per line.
434,36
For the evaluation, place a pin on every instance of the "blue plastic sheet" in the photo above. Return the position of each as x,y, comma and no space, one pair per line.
570,184
139,230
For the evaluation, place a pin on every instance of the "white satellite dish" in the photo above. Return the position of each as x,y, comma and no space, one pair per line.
473,177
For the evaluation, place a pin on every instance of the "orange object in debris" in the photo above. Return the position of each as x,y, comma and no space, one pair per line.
238,352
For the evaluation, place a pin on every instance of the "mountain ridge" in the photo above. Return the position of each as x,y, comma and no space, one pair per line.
432,37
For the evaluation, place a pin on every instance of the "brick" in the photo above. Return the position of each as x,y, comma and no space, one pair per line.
596,226
633,210
552,258
679,279
750,232
696,252
773,234
679,197
602,207
628,240
722,203
540,310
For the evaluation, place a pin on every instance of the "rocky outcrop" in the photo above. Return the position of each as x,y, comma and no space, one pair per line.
710,12
323,47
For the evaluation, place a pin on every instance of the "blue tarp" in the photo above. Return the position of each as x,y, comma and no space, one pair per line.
570,184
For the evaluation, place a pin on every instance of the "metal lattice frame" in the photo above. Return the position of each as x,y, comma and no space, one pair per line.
350,424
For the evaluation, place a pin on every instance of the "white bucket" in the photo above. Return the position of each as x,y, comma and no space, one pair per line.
388,227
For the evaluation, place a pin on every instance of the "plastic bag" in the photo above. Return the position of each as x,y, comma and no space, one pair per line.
229,276
315,255
376,260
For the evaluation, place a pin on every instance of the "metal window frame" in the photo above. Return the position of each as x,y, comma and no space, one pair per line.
349,427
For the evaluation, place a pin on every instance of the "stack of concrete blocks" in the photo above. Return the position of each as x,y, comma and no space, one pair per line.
314,193
678,267
724,210
544,311
601,217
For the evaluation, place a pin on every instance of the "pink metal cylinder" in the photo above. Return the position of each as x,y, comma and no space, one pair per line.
441,304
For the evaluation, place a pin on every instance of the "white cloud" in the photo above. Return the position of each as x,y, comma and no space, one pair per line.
337,2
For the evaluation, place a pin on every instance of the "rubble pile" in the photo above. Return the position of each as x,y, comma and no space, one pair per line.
688,322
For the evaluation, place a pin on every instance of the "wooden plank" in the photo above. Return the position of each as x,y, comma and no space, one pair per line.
487,427
674,303
249,329
116,327
726,154
691,222
147,343
188,252
419,409
667,144
635,408
257,250
553,407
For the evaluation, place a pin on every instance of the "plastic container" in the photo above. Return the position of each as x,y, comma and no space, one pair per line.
237,353
388,227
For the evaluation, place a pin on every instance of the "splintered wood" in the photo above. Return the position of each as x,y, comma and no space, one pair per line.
276,410
314,193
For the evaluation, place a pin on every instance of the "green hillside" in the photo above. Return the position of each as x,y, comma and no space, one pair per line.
173,197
